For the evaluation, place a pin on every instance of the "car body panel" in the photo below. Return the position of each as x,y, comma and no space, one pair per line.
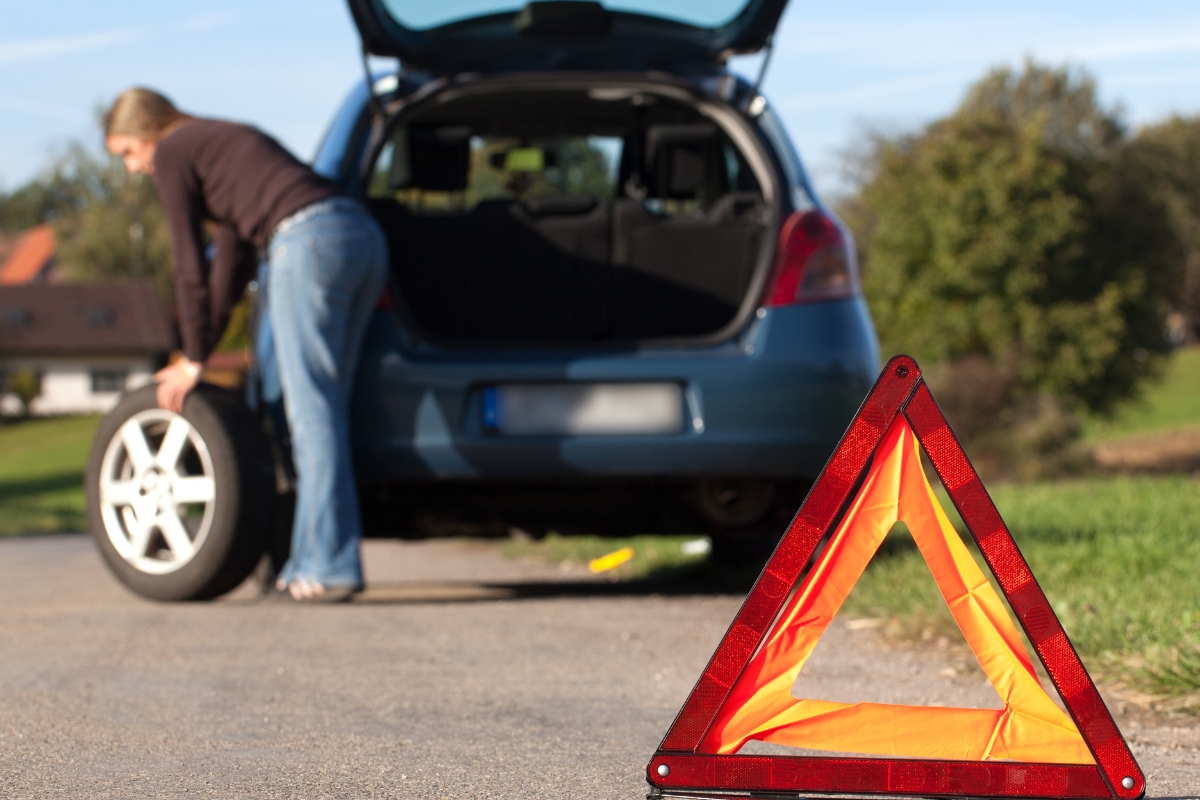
771,402
559,35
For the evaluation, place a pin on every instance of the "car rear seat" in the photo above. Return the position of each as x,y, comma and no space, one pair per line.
505,271
685,275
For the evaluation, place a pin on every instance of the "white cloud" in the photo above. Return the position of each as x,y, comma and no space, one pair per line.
1145,44
32,49
40,108
52,46
206,23
852,96
971,38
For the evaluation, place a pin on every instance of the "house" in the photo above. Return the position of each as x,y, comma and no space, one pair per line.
31,259
86,342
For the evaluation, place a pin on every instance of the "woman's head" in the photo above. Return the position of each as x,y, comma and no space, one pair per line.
135,122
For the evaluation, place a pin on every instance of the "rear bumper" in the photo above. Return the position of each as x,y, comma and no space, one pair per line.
772,402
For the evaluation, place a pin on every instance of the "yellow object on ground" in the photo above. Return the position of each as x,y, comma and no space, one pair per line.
1030,727
611,561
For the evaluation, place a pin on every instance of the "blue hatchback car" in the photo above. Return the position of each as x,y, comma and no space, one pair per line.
615,301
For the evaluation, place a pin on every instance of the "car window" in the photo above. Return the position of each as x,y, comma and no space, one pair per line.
496,168
422,15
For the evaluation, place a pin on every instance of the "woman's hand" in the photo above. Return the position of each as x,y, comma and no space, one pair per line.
174,382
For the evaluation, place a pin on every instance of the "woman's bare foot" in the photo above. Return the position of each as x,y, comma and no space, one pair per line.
303,589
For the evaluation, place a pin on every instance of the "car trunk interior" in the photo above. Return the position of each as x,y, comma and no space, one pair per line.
567,217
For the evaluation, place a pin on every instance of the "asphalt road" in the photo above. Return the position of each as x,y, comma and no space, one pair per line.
460,674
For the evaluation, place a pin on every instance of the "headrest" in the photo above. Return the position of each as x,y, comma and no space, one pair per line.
435,159
678,157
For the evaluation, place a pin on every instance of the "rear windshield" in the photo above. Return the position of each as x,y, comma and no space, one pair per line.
506,168
595,146
422,14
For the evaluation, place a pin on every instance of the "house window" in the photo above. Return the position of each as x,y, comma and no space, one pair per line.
108,381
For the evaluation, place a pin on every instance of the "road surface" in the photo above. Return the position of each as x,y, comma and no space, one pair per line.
459,674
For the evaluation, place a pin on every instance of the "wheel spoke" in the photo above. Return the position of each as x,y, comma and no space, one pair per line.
176,535
118,493
172,444
139,534
136,446
199,489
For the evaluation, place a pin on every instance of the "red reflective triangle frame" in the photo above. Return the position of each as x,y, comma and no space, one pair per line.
899,390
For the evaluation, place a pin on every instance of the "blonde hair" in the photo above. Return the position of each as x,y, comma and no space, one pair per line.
142,114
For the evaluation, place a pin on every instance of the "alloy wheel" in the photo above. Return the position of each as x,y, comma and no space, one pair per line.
157,491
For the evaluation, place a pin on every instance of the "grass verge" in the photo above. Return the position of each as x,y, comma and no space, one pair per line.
41,474
1170,404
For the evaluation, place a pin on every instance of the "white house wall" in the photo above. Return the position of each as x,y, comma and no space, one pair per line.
67,385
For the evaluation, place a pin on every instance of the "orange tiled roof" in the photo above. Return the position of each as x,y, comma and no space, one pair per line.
30,256
74,319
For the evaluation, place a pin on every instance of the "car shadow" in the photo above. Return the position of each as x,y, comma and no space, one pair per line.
417,592
692,580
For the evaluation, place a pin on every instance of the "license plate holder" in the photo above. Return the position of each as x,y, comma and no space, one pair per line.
583,409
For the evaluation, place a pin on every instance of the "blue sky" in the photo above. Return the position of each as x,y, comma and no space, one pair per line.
838,67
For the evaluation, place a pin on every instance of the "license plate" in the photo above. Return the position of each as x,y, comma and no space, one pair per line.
582,409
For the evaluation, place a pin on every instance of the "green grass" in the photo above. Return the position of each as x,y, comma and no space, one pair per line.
1119,559
41,474
651,554
1169,404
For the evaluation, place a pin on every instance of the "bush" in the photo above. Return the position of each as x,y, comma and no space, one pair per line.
26,385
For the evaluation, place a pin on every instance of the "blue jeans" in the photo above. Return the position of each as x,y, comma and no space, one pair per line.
324,274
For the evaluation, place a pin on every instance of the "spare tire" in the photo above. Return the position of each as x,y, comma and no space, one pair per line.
180,504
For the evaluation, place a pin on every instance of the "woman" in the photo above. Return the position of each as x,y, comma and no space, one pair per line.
326,264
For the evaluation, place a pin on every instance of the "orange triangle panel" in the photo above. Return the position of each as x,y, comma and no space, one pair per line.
1027,748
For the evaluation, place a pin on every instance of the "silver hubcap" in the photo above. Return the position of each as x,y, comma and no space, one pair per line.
157,491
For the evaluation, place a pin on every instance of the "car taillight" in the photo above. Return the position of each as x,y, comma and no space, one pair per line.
815,261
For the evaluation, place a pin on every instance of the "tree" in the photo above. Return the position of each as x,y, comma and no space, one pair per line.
118,229
108,224
59,191
1001,248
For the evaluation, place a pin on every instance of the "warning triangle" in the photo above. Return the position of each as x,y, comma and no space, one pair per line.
1027,748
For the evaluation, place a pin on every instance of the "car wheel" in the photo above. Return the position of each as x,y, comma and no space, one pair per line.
180,504
746,533
734,502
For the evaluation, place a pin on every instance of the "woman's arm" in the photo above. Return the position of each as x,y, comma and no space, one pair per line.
234,264
183,203
180,194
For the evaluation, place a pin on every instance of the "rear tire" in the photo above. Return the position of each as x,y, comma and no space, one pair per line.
754,534
180,505
735,502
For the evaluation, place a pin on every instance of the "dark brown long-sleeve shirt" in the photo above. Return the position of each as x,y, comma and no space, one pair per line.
245,182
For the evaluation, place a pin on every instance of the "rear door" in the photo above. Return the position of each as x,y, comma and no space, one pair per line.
455,36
